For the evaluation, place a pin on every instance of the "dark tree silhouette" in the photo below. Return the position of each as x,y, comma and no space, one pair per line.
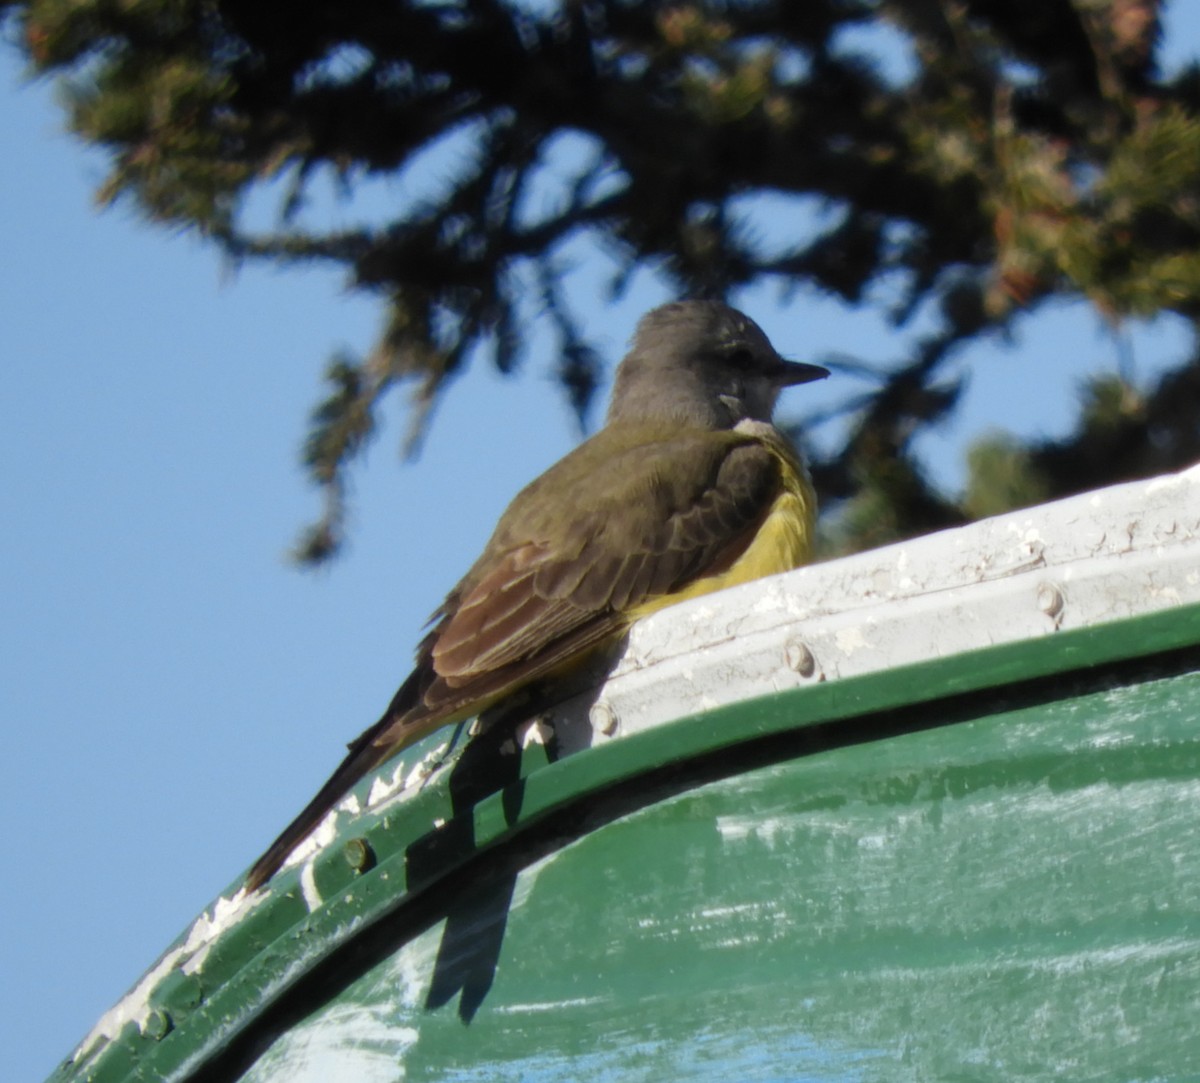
1023,150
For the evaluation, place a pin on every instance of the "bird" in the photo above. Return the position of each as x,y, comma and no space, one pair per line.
687,488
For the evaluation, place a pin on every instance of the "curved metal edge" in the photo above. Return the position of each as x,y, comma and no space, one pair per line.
692,750
1060,570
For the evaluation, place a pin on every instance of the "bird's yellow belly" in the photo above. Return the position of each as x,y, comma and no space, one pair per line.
783,542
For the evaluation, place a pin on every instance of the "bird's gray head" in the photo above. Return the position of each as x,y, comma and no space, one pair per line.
702,363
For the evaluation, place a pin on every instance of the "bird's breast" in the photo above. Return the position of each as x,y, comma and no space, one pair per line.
783,541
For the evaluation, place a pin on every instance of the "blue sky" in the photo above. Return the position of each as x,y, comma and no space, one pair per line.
172,689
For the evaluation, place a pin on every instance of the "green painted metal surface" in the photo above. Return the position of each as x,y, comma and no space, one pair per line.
1015,896
985,866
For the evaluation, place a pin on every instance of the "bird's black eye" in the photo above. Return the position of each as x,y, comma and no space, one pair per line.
741,358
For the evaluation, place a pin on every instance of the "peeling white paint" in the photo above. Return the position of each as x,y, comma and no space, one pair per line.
851,640
308,885
751,909
536,732
188,957
358,1043
548,1005
325,833
427,765
766,829
384,785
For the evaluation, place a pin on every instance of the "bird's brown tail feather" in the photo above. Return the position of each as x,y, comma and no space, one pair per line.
364,756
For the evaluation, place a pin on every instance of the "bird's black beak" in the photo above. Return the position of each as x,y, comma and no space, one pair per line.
791,373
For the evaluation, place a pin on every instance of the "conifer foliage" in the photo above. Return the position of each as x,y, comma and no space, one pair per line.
1023,150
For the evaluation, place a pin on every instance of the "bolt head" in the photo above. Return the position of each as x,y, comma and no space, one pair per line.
800,658
1050,599
358,854
603,718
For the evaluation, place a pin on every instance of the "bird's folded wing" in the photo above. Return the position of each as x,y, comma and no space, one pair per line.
688,510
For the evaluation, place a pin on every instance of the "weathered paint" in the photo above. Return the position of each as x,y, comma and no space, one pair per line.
1014,897
844,650
1130,549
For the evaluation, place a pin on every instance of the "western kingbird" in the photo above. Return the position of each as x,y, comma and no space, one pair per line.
688,488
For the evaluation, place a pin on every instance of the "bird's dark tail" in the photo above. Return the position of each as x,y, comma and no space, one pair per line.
366,753
364,756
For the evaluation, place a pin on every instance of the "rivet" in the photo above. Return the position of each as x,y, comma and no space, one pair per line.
358,854
800,658
603,718
158,1024
1050,599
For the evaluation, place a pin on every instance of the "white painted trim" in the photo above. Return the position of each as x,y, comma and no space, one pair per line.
1099,557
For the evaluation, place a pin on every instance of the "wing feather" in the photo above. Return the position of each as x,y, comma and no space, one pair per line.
693,516
559,578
